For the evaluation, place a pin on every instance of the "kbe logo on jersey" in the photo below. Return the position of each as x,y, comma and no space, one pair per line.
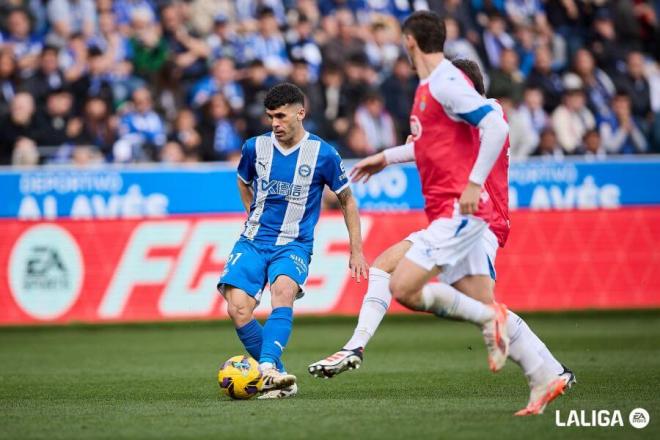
278,187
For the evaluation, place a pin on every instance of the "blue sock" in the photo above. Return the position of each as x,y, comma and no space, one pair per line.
276,334
251,335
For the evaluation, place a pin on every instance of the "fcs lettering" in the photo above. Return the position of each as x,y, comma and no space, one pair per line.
277,187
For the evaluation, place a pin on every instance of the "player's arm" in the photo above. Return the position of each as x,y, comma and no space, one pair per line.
494,130
464,103
367,167
357,263
247,194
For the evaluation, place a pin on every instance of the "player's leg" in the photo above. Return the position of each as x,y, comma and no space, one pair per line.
407,282
287,272
374,307
241,284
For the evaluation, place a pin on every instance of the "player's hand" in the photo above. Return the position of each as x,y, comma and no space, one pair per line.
469,201
367,167
359,266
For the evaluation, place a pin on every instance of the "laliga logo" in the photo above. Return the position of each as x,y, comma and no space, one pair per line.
639,418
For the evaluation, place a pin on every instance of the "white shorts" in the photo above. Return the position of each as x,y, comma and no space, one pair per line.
446,242
479,261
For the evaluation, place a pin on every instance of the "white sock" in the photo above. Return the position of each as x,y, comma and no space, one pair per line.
266,366
527,334
523,350
374,307
445,301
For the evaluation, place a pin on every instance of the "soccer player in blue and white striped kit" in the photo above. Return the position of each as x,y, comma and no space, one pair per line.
281,177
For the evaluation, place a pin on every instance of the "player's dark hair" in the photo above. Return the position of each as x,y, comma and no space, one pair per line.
471,70
428,29
283,94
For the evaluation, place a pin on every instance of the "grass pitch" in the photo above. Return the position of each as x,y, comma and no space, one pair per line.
422,378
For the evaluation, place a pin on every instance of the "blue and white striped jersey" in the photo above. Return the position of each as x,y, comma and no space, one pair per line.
288,185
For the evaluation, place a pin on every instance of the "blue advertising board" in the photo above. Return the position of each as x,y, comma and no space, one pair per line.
154,191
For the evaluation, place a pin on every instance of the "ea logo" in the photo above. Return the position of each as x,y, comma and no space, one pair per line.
45,271
639,418
415,127
305,170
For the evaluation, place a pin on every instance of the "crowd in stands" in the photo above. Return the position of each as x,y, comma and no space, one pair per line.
85,81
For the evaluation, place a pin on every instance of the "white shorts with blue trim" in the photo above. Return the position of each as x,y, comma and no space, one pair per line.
446,243
479,261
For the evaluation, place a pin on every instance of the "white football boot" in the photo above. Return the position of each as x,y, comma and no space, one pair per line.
274,380
283,393
337,363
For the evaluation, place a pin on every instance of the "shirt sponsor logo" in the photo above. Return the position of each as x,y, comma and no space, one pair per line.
277,187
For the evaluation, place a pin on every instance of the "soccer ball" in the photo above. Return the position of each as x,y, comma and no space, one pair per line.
240,377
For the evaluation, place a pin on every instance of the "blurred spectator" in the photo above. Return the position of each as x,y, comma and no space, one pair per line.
223,42
525,47
526,13
399,89
48,77
9,80
185,132
19,38
223,141
19,123
300,76
147,46
142,131
204,14
73,57
113,44
598,86
544,78
85,155
99,127
96,82
634,83
549,146
268,45
355,83
458,47
620,132
125,11
57,124
301,46
376,124
342,40
592,146
69,17
25,153
334,123
172,153
507,81
608,50
383,48
572,119
255,86
526,124
188,52
222,80
496,39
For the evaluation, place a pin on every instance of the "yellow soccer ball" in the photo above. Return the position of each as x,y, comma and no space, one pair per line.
240,377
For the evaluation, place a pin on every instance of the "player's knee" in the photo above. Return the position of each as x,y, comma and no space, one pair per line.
240,314
283,294
399,291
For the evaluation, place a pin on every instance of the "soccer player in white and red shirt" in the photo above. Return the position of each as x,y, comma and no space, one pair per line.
460,240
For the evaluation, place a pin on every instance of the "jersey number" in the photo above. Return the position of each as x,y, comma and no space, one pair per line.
233,258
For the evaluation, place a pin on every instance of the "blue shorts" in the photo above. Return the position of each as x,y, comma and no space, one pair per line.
250,265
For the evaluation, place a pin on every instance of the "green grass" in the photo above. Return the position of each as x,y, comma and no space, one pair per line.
423,378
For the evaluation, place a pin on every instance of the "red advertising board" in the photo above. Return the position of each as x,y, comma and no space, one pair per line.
166,269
